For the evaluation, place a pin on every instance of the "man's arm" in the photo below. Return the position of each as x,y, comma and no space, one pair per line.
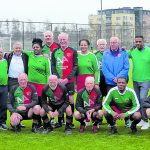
80,104
34,98
135,104
75,65
107,101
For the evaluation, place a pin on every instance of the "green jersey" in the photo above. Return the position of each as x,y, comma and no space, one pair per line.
87,64
141,64
38,68
125,102
3,72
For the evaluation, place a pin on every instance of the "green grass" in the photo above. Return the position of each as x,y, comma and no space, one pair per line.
88,141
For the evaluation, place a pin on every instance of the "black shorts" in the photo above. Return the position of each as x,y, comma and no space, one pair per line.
24,115
55,107
70,88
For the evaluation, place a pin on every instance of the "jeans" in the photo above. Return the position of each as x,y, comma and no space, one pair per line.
141,90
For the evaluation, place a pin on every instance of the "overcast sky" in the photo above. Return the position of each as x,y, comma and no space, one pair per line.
63,11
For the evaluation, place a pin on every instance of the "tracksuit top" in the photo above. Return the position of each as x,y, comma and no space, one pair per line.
115,64
3,72
141,64
22,97
48,50
88,64
125,102
88,100
56,97
64,63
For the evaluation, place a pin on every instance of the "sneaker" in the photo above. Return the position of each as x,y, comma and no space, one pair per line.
63,121
58,125
35,128
94,129
114,130
133,129
127,123
52,121
140,123
109,126
145,126
72,126
47,130
68,130
16,128
40,125
82,128
3,126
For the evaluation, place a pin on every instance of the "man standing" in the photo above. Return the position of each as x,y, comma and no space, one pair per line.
64,65
22,104
115,63
140,56
55,101
50,45
89,105
3,91
121,102
17,63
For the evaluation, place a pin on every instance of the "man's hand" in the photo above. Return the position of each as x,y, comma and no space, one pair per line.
96,86
115,80
21,108
60,80
116,116
46,55
89,113
65,81
122,115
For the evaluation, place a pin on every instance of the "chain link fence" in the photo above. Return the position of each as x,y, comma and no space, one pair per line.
11,31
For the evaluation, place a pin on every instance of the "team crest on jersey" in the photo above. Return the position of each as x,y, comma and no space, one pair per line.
68,54
28,93
93,97
89,60
86,103
127,101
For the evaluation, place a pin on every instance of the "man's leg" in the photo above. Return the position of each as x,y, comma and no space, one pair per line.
3,106
46,123
80,117
110,120
136,117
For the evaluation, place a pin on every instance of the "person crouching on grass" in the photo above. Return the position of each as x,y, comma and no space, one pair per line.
121,102
22,104
89,105
55,101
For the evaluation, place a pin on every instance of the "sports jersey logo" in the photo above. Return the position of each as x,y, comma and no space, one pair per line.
127,101
61,61
86,104
68,54
28,93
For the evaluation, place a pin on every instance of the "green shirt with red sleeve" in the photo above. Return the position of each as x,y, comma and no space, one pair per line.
125,102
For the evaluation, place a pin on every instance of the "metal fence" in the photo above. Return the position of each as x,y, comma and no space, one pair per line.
11,31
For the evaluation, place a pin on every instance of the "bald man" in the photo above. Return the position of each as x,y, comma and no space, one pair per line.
3,91
89,105
50,45
55,101
23,104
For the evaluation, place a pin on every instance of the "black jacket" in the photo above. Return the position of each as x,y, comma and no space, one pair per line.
8,57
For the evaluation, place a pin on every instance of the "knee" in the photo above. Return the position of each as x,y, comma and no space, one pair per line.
36,109
77,115
148,113
69,111
136,115
15,119
100,114
42,112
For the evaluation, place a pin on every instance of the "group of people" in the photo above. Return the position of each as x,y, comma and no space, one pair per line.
40,83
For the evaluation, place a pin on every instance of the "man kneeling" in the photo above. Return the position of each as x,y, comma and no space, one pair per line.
55,101
22,104
121,102
89,105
